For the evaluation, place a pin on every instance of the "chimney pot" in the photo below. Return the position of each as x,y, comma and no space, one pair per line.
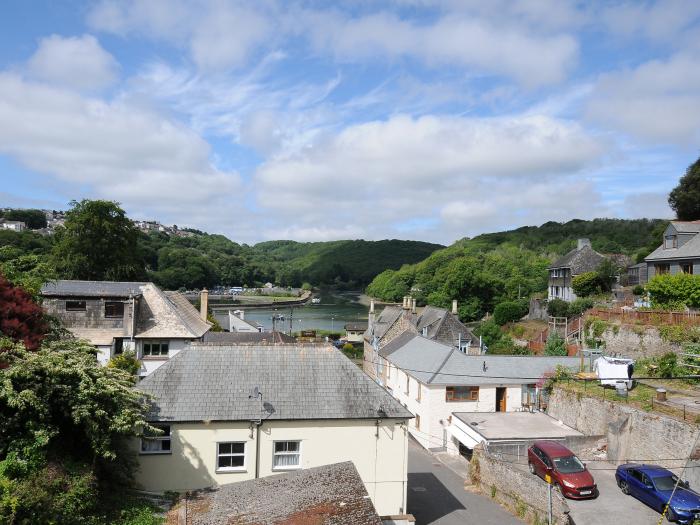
413,306
371,306
583,242
204,304
454,306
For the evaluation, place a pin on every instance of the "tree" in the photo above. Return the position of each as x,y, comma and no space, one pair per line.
34,219
555,345
675,291
509,311
66,421
98,243
586,284
21,319
684,199
558,308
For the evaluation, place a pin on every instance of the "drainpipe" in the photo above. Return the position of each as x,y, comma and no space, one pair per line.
258,424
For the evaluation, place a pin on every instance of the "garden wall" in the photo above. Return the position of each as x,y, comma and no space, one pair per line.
636,341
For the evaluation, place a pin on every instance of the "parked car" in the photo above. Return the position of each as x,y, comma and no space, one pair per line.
568,473
653,485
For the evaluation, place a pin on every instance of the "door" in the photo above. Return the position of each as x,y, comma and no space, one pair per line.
500,399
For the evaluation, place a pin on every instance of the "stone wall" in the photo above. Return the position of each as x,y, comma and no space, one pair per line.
538,310
517,489
636,341
633,435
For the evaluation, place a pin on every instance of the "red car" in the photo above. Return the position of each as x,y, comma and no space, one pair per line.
567,471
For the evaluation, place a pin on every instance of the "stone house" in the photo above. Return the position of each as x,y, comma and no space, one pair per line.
435,381
16,226
233,413
436,324
580,260
119,316
679,251
354,332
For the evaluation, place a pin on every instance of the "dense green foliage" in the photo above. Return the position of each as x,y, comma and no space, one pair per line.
684,199
496,340
555,345
596,282
561,308
100,242
97,243
509,311
34,219
64,456
674,291
492,268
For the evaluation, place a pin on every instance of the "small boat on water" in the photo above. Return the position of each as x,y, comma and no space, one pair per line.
316,300
278,317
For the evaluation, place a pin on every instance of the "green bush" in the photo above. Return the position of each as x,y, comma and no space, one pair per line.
509,311
586,284
126,361
555,345
668,365
578,306
674,290
638,290
558,308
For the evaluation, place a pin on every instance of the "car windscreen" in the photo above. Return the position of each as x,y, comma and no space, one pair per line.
568,465
665,482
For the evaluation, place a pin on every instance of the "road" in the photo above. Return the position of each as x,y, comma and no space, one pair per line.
611,507
436,495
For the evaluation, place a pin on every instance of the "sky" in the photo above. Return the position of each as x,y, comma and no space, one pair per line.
309,120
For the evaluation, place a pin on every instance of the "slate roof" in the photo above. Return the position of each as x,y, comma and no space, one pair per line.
690,250
433,363
327,495
686,226
580,261
356,327
207,382
167,315
247,338
188,314
91,288
385,319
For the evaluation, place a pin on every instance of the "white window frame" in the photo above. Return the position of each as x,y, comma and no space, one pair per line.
163,437
275,454
160,343
242,468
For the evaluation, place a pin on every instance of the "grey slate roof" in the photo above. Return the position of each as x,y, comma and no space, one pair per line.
690,250
433,363
327,495
580,261
356,327
188,314
247,338
385,319
207,382
686,226
91,288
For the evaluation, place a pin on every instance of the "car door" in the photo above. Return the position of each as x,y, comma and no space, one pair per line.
635,484
537,461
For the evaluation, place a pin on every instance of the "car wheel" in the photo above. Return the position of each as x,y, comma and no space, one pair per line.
624,487
531,467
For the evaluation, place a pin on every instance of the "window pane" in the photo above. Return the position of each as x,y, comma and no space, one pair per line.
237,448
225,461
164,348
293,446
280,446
237,461
165,444
224,448
286,460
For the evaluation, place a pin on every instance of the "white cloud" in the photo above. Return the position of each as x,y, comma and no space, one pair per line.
510,50
657,101
662,20
472,174
75,62
110,150
219,35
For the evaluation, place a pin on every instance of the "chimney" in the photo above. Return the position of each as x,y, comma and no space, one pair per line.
203,303
406,300
454,306
413,306
583,242
371,306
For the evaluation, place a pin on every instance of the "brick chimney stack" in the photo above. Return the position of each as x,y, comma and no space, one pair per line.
204,304
413,305
583,242
454,306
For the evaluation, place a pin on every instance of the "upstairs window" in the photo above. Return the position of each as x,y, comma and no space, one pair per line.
670,241
75,306
157,444
114,309
230,456
155,348
461,393
287,455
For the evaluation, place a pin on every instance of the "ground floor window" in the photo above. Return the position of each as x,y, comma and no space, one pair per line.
230,456
462,393
287,454
687,268
157,443
662,269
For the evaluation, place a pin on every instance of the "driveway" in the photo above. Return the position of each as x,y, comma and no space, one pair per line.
436,495
611,507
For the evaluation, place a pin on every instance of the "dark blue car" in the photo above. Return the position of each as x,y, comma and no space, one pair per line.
653,485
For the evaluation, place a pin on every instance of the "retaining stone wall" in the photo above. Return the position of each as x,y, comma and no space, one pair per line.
636,341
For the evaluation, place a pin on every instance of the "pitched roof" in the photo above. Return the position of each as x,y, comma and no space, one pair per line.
580,261
690,250
167,315
386,318
212,383
188,314
356,327
248,338
70,288
327,495
434,363
686,226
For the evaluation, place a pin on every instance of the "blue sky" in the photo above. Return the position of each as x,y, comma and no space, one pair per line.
315,120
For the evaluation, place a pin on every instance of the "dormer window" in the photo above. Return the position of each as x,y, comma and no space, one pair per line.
670,241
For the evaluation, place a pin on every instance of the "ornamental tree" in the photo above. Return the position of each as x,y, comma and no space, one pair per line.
684,199
21,319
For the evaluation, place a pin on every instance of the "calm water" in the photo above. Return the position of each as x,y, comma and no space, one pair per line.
336,309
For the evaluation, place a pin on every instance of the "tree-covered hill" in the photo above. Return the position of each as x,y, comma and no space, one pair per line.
494,267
